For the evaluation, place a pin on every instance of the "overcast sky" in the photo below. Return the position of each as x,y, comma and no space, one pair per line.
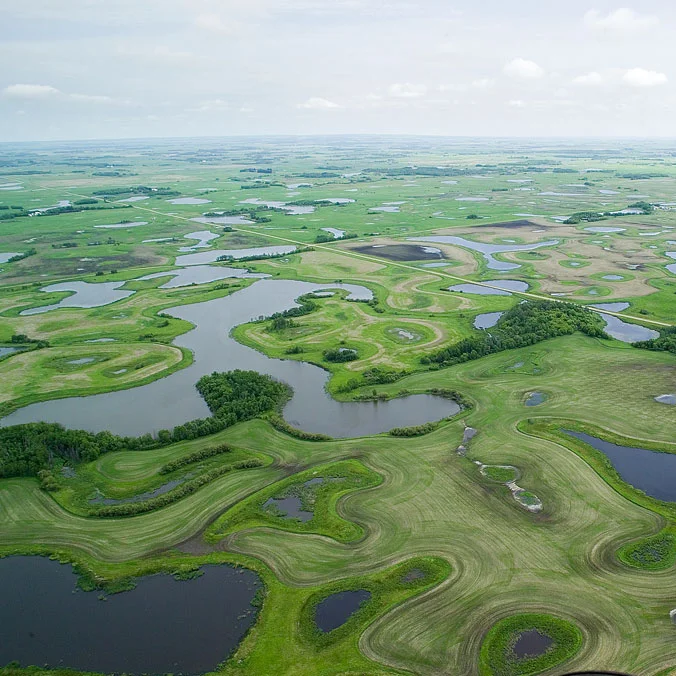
137,68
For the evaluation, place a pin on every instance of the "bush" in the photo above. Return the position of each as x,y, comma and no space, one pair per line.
339,355
416,431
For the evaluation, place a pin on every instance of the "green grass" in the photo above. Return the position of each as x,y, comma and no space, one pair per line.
497,657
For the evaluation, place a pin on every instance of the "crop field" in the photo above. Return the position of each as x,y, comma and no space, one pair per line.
466,533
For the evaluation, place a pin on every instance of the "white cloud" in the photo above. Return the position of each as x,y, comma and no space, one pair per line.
318,103
211,106
483,83
639,77
215,24
522,68
621,21
406,90
516,103
589,79
91,98
30,91
42,92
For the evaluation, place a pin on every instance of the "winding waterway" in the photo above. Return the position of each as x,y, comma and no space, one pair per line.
174,400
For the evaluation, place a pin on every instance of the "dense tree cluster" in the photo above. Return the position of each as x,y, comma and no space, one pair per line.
186,488
416,431
241,395
281,425
197,456
525,324
665,343
233,397
339,355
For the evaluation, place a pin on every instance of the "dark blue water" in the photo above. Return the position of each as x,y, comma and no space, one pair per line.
649,471
336,610
161,626
532,644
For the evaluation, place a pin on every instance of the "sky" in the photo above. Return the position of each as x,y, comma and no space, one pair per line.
88,69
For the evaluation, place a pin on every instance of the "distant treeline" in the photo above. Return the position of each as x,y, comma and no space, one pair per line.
526,324
593,216
232,397
137,190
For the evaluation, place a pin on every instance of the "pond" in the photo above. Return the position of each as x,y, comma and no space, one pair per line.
222,220
4,257
203,238
531,644
401,252
115,226
536,398
504,287
140,497
161,626
338,234
488,250
205,257
335,610
621,330
291,209
649,471
6,351
85,295
604,229
189,200
672,266
173,400
487,320
82,361
200,274
669,399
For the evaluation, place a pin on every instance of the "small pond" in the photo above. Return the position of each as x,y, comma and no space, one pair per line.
335,610
222,220
337,234
487,320
291,209
206,257
189,200
488,250
200,274
505,286
672,266
4,257
161,626
141,497
669,399
536,398
117,226
81,361
6,351
649,471
203,238
604,229
401,252
85,295
531,644
621,330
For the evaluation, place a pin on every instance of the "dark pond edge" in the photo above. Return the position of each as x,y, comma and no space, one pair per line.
388,590
327,520
550,429
200,295
494,656
93,575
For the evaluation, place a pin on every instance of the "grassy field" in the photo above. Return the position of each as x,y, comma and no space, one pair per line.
599,555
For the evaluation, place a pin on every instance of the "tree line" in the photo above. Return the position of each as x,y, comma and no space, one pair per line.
525,324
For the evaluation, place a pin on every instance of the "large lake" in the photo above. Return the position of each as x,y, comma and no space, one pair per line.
174,400
162,626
